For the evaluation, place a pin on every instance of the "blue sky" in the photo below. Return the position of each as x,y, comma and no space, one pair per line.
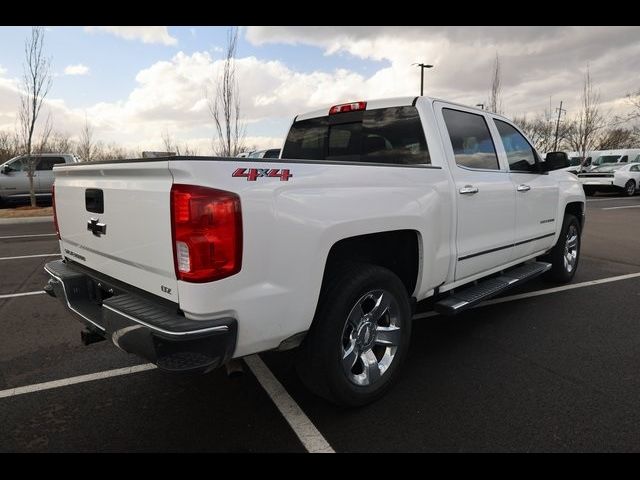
114,62
142,82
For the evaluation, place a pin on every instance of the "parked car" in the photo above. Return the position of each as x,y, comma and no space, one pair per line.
373,206
14,180
619,177
270,153
602,157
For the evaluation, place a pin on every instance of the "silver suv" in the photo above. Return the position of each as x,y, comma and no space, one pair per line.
14,182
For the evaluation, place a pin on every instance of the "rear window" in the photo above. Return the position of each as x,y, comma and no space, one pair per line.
385,135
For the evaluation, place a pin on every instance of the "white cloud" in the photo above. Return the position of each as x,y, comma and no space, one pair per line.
78,69
537,63
146,34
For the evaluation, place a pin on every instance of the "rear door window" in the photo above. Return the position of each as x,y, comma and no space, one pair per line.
47,163
386,135
471,140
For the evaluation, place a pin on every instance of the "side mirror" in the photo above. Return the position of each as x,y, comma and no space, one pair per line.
555,161
5,169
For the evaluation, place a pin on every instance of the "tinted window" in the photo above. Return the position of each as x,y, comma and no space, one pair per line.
306,139
385,135
18,166
470,139
624,159
519,153
344,142
273,153
394,135
635,168
47,163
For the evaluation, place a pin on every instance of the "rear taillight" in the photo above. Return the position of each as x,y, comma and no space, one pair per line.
347,107
207,233
55,216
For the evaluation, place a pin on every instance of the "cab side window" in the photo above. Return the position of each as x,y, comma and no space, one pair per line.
624,159
18,166
520,154
471,140
635,168
47,163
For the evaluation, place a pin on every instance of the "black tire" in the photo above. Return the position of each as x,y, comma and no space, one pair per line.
630,188
560,271
320,358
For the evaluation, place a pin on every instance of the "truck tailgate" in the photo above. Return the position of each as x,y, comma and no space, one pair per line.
115,218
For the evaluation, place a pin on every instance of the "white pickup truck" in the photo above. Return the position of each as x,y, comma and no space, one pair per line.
192,261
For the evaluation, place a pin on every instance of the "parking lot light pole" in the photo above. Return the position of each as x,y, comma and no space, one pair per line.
422,67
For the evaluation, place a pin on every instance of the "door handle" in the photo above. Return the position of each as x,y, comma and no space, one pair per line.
523,188
468,189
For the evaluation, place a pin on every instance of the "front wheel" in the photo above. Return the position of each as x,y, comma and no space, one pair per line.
359,337
565,254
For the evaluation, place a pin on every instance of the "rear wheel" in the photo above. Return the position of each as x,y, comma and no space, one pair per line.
630,188
565,254
359,337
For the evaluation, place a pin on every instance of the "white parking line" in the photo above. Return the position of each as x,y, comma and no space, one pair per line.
12,392
626,206
537,293
28,236
306,431
12,295
31,256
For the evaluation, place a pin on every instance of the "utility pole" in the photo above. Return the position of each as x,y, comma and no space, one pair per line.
559,110
422,67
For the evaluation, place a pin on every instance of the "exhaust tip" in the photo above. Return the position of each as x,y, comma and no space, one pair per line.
234,368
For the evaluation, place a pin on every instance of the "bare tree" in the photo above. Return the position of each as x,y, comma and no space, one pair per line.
589,122
43,143
86,145
36,83
615,138
495,94
170,145
634,100
60,143
9,145
224,104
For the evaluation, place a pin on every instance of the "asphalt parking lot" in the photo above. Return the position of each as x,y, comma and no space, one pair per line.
534,371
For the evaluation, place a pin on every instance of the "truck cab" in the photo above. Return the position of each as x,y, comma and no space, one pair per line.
14,179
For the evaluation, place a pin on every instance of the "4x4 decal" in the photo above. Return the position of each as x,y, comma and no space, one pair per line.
252,174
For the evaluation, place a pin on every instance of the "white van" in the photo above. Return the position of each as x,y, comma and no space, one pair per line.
601,157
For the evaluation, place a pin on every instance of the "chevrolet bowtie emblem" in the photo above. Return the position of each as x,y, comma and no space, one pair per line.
96,228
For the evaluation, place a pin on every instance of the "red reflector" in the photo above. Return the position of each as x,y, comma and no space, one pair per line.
55,216
347,107
207,233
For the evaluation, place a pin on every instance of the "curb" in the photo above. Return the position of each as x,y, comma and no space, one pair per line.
13,221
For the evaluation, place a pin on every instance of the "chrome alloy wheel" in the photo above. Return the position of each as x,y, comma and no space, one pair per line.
571,249
370,337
